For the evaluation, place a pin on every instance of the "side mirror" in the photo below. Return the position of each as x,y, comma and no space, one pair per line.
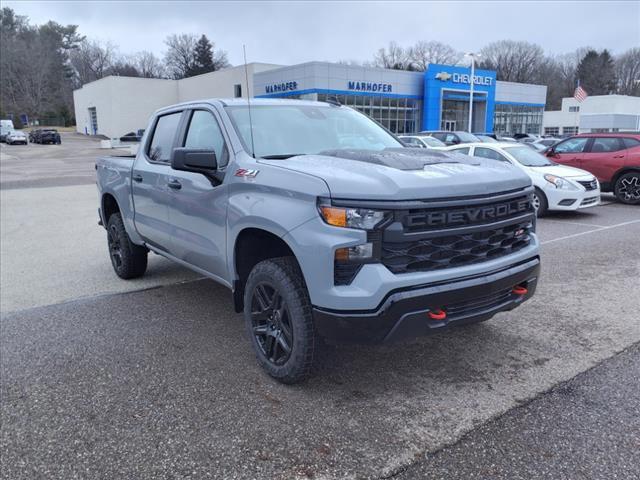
550,152
193,160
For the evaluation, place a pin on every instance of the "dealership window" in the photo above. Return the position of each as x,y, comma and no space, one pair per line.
574,109
399,115
511,119
237,90
552,131
569,130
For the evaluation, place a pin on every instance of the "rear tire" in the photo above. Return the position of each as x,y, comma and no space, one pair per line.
128,259
540,203
627,188
279,321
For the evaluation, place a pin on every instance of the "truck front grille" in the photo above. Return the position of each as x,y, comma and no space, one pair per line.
428,239
455,250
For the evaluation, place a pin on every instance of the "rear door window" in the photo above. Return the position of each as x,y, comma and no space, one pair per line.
606,144
489,153
630,142
164,135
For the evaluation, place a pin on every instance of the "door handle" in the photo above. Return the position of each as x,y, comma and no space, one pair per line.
175,184
137,178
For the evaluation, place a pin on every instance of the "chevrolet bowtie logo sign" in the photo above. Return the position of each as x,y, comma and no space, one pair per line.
444,76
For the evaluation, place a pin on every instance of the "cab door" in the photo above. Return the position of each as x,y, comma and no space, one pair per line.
198,205
570,152
149,182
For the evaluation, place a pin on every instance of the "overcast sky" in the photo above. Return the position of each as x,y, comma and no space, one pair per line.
295,32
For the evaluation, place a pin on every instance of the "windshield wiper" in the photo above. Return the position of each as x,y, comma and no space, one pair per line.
281,156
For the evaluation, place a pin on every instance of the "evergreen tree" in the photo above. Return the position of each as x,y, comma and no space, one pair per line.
202,58
596,73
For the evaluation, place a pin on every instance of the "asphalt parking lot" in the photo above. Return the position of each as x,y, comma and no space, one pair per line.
154,378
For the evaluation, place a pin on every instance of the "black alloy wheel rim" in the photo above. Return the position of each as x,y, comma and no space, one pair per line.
271,323
630,188
115,249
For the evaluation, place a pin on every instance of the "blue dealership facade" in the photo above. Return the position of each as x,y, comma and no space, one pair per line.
408,102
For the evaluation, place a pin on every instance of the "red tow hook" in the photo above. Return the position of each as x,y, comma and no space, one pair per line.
437,314
519,290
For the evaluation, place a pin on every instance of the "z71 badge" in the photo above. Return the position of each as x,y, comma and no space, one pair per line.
243,172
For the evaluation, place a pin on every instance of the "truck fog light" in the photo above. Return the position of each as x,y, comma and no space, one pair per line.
355,253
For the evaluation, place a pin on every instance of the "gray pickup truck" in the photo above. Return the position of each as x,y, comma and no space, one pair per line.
321,224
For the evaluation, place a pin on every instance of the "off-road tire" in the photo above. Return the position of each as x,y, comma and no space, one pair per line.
128,259
283,277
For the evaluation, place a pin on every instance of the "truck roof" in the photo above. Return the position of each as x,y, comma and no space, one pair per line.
243,102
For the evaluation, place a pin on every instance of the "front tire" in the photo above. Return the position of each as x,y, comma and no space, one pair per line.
540,203
278,317
128,259
627,188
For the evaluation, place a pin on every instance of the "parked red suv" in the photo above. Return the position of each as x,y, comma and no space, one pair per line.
614,158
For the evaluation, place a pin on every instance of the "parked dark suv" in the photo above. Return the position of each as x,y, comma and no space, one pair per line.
452,138
47,135
614,159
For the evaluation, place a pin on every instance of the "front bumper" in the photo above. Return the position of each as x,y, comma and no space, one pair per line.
404,312
559,199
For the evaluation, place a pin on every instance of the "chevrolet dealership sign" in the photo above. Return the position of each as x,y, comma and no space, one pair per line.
456,77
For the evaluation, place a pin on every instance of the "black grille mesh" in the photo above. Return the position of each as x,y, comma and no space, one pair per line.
455,250
592,185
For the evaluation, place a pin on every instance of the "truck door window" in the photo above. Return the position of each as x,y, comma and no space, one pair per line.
204,134
163,137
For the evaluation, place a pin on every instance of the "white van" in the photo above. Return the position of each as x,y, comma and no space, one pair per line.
6,126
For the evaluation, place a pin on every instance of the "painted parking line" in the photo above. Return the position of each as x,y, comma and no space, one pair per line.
565,222
600,229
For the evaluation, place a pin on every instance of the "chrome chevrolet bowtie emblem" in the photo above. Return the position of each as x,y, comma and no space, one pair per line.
444,76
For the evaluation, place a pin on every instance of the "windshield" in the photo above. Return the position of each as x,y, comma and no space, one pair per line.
286,130
528,157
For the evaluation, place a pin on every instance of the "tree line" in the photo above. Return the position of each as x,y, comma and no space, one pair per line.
598,72
41,65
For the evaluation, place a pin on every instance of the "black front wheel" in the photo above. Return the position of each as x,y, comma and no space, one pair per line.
128,259
627,188
540,203
279,321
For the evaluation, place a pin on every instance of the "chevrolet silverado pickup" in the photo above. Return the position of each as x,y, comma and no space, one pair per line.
321,224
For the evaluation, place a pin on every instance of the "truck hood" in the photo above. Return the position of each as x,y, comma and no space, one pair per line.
406,173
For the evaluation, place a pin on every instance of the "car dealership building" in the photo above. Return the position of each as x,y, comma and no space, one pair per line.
402,101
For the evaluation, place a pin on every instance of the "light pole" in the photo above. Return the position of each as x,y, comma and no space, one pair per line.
471,82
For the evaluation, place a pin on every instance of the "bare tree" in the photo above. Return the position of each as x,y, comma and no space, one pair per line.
179,58
513,61
424,53
148,65
628,72
394,56
92,61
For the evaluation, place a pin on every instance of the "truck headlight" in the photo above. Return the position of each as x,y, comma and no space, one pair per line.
360,218
559,182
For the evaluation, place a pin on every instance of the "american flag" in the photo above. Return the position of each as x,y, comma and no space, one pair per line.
580,94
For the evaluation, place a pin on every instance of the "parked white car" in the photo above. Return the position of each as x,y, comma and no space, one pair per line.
16,136
557,187
422,141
